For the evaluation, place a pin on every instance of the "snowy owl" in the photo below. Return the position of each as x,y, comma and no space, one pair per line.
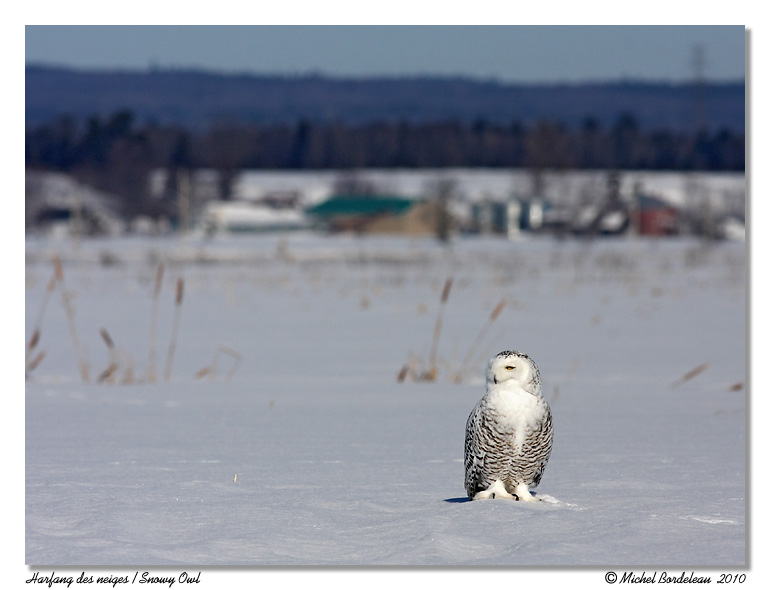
509,434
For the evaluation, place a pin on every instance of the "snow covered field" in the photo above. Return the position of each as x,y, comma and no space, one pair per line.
299,446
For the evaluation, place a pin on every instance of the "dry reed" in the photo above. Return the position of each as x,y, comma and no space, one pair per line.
35,338
237,358
690,375
109,372
412,369
460,374
32,365
41,312
153,362
128,375
175,328
432,366
31,345
212,369
59,274
203,372
107,339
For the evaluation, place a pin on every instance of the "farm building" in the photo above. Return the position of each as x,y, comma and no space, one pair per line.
373,213
654,217
57,204
248,217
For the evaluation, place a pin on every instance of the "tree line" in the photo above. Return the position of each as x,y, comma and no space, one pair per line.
116,153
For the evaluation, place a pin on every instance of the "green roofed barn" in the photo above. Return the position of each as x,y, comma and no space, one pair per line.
354,212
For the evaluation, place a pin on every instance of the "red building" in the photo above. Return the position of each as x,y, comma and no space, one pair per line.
653,217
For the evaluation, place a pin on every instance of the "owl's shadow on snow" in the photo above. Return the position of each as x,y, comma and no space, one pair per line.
546,498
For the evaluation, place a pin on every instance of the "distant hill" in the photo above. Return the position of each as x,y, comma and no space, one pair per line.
198,99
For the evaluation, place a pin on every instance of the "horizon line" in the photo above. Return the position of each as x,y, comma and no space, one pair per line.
315,73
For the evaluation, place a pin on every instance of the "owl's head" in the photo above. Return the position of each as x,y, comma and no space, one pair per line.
515,367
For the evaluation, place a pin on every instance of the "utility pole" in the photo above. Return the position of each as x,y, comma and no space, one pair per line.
696,192
443,220
699,79
184,190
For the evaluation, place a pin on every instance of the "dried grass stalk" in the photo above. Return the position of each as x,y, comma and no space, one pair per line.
44,304
31,366
158,280
128,376
35,338
460,374
108,372
153,362
409,370
447,289
213,367
690,375
203,372
179,291
59,274
236,356
432,368
107,339
175,328
497,310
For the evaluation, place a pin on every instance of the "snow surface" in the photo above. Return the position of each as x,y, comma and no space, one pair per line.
308,451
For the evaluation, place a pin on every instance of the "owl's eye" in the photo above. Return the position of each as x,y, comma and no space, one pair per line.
509,368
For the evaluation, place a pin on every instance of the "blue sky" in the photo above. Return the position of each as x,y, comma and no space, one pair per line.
506,53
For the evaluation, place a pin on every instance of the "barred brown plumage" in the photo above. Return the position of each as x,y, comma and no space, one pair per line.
509,434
